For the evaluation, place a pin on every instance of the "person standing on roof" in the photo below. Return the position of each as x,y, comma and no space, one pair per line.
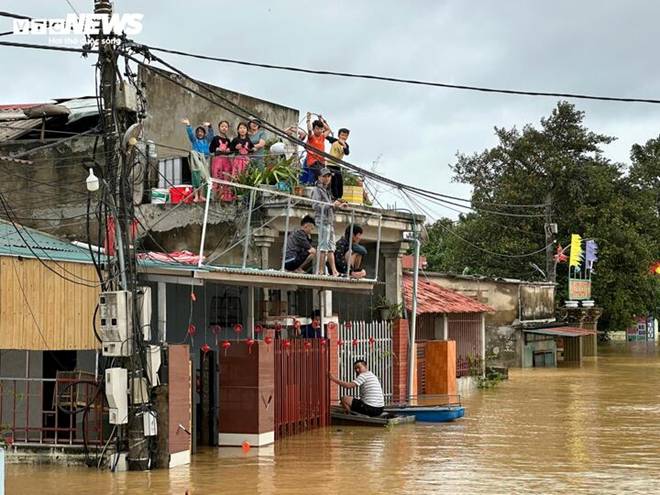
258,139
371,400
338,149
220,162
200,141
324,215
317,132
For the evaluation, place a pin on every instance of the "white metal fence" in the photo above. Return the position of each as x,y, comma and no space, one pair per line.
371,342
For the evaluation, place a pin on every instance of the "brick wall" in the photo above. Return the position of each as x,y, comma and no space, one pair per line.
399,360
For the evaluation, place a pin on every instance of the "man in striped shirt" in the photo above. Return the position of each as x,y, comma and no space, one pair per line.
371,400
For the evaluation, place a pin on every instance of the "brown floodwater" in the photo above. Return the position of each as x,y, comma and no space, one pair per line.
593,429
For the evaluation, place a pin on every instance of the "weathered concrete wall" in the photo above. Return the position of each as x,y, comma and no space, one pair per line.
503,346
168,103
49,194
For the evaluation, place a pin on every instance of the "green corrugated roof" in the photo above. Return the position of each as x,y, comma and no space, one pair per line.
31,243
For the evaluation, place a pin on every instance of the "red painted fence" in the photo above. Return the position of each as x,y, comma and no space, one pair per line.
302,390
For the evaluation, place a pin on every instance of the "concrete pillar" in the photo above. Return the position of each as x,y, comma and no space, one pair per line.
445,327
392,253
247,388
483,343
325,306
400,337
264,237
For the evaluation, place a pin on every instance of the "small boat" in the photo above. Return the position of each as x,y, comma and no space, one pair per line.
341,417
429,414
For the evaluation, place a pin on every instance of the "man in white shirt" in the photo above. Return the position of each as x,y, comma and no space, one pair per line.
371,400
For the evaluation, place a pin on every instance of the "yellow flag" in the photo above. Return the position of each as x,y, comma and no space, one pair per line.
576,250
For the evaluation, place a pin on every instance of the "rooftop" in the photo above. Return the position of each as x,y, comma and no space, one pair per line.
433,299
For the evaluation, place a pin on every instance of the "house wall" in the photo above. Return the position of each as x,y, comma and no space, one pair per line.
510,299
168,103
57,314
49,194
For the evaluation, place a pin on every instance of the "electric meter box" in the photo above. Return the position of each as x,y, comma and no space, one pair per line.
116,313
116,391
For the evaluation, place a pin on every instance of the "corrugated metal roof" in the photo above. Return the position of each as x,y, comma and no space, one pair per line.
32,243
561,331
431,298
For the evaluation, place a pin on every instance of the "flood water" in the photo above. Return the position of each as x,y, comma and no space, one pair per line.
593,429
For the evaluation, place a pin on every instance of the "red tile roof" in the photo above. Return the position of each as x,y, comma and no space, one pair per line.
431,298
562,331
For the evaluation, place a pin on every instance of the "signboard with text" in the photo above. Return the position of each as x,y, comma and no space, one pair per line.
579,289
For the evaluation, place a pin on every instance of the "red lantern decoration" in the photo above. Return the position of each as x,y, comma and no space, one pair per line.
340,343
355,342
316,324
372,341
348,325
193,297
226,345
308,346
268,340
215,329
332,326
238,328
192,330
245,446
287,345
205,348
250,343
323,343
258,329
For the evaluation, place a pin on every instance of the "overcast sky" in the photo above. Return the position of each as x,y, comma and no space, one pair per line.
413,133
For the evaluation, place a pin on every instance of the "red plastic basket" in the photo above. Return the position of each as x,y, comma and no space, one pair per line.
181,194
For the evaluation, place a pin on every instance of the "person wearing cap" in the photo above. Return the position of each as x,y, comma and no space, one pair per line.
258,138
324,215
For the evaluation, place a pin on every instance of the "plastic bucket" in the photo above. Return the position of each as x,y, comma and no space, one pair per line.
181,194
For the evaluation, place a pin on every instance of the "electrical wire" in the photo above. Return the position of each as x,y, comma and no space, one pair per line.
243,113
415,82
487,251
246,115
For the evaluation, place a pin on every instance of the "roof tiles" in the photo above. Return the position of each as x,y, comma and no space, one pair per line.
431,298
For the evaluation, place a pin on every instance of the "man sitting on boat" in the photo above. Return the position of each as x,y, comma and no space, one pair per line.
371,400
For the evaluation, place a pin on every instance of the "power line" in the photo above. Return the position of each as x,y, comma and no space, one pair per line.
416,82
241,112
479,248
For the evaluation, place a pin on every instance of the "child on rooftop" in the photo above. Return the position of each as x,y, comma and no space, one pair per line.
241,147
220,148
317,132
338,149
199,156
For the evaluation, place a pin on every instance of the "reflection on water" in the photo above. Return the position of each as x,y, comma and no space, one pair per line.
570,430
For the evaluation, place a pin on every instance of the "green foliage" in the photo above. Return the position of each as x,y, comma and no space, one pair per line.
561,162
389,310
279,171
485,381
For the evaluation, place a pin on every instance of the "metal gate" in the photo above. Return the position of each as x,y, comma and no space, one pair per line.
302,389
371,342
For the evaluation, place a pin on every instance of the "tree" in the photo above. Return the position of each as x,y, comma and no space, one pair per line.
561,162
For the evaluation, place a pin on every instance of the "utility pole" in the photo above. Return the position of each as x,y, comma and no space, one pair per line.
118,194
550,233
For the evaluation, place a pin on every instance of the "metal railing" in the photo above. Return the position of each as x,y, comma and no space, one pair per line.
371,342
291,200
50,411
